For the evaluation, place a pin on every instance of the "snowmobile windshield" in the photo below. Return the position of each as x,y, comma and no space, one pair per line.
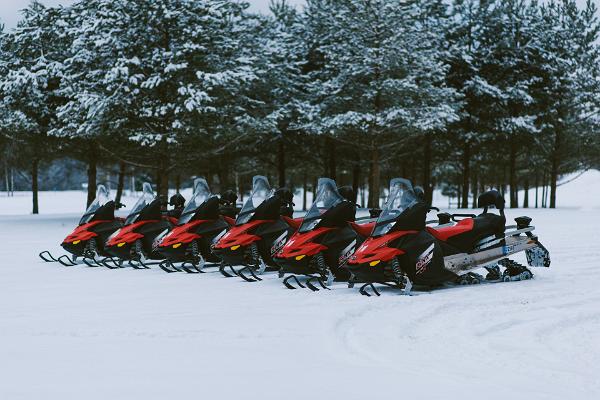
102,197
327,198
402,196
201,194
261,191
147,198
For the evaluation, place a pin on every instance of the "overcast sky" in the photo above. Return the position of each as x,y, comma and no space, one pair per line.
9,9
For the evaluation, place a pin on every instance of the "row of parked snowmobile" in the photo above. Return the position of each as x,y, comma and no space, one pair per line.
395,246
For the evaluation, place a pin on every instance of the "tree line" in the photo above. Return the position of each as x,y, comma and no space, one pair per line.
463,97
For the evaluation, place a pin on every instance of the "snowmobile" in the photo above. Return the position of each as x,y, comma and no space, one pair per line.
327,237
86,242
401,251
261,229
201,223
136,242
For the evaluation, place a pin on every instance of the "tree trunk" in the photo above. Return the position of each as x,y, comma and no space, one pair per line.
178,182
513,173
554,170
427,187
120,182
304,190
356,179
536,189
91,173
34,185
374,178
331,161
526,194
466,164
474,189
281,162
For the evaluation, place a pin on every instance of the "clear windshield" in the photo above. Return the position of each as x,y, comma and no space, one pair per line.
147,197
102,197
261,190
201,194
327,198
401,197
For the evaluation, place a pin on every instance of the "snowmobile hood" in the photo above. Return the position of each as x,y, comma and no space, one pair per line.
181,234
302,244
127,234
238,236
82,233
375,249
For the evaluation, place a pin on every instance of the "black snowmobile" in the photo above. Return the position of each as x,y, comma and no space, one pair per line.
86,242
205,218
136,242
401,251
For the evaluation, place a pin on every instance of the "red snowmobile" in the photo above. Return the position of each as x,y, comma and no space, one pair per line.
136,242
327,237
201,224
401,251
261,229
86,242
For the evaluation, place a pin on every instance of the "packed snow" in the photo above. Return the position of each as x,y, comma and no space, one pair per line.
95,333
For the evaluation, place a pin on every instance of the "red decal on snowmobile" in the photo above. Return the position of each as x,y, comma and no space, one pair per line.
375,248
293,222
302,244
181,234
82,233
238,236
127,234
424,259
446,233
230,221
363,230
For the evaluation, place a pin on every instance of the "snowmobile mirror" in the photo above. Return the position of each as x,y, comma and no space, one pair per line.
444,218
177,200
228,197
119,205
347,193
420,193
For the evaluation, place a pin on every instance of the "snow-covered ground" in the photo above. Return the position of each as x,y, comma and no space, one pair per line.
94,333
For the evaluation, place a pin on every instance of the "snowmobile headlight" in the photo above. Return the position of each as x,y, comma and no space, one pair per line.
121,244
300,257
176,245
237,246
76,241
374,263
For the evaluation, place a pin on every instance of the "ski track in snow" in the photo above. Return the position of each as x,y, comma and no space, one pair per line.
95,333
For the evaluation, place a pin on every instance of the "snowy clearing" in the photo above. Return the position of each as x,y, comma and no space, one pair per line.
94,333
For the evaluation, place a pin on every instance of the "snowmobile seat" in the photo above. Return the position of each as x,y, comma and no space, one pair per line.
469,231
363,230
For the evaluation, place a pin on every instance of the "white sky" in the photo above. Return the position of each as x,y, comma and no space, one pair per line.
9,9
